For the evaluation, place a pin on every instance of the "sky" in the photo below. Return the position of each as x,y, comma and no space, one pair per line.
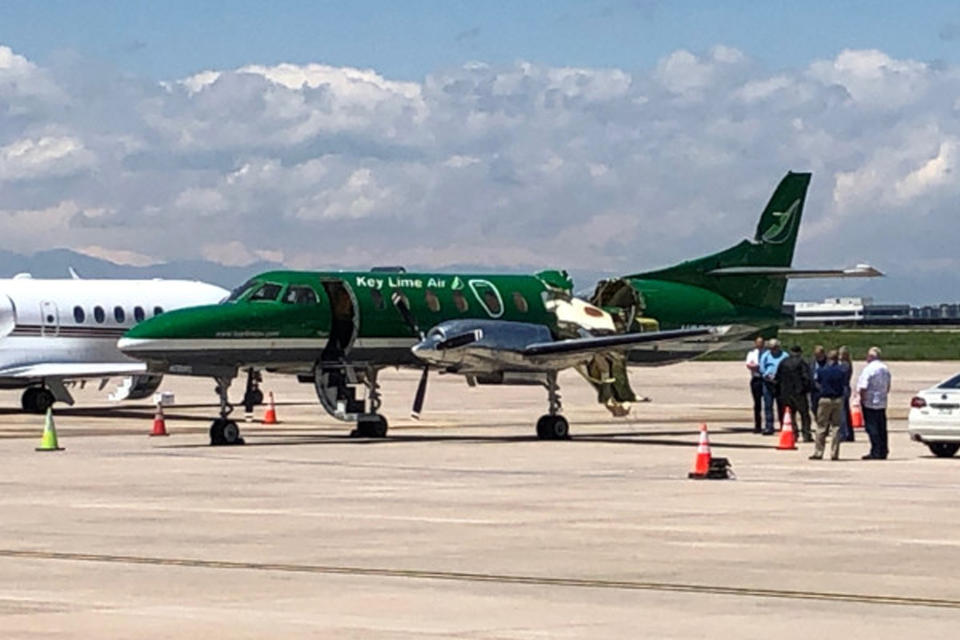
605,137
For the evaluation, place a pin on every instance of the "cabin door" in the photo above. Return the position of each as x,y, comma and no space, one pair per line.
49,318
344,319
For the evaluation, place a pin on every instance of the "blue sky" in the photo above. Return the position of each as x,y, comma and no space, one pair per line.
411,38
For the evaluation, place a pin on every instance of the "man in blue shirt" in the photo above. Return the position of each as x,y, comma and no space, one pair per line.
833,380
769,363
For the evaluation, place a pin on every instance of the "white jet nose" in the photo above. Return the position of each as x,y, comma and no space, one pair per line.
8,316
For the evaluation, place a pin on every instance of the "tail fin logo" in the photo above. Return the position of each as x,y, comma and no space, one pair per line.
783,225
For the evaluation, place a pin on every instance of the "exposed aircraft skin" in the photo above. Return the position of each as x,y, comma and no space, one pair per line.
339,328
56,330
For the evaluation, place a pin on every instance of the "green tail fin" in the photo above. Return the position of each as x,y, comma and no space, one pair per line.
772,246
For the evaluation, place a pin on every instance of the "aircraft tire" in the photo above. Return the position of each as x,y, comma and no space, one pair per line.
371,427
36,400
44,400
29,399
224,432
553,428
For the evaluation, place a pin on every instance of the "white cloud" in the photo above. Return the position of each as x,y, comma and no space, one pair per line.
605,169
43,158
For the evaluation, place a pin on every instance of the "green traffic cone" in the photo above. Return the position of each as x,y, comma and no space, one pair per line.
49,440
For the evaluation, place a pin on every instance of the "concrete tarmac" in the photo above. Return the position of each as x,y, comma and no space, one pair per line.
464,525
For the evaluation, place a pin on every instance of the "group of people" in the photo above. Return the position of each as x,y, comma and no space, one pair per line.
821,387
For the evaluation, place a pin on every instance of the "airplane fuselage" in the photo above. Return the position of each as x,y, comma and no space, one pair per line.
58,329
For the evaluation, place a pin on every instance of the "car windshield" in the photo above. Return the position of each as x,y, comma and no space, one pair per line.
238,293
952,383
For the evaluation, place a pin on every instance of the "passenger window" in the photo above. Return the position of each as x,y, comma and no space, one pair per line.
460,302
433,302
138,314
492,301
266,293
78,315
300,295
99,315
119,315
520,302
157,311
377,298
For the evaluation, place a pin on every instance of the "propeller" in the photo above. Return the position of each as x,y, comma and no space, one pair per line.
401,304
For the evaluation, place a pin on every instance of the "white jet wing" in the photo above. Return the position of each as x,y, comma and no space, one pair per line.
71,370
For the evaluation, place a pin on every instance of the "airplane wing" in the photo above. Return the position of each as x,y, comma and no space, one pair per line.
70,370
619,342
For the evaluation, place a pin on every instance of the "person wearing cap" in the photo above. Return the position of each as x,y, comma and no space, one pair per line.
769,363
794,382
756,381
873,385
831,377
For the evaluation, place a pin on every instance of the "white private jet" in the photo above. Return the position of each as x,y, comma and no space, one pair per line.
54,331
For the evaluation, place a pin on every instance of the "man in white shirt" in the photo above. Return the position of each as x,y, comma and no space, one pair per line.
756,381
874,386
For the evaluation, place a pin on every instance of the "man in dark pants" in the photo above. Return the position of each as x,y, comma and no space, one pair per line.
819,361
794,383
874,387
756,381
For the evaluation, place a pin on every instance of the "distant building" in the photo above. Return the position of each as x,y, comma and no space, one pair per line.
831,311
862,311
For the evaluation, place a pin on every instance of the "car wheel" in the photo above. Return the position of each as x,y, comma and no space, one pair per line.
944,449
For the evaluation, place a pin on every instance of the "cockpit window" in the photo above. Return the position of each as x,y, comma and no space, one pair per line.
300,295
237,293
266,293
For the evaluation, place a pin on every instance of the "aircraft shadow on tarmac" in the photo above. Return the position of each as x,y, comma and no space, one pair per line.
686,439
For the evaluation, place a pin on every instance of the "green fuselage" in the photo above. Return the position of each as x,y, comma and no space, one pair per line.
289,320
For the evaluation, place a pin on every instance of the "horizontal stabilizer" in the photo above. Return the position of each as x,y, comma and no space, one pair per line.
859,271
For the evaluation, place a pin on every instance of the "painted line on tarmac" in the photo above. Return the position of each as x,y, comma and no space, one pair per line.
456,576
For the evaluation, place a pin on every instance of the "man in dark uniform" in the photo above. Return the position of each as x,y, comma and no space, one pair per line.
795,382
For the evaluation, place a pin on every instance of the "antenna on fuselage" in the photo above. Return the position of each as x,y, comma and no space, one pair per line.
73,273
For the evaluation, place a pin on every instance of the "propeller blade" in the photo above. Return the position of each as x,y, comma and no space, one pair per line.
421,394
401,304
461,340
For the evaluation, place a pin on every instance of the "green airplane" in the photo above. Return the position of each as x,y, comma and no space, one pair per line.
337,330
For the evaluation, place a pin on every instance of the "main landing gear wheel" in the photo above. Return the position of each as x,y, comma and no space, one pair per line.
553,428
370,426
224,432
944,449
37,399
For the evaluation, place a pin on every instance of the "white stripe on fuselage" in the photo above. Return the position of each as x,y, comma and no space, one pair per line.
133,345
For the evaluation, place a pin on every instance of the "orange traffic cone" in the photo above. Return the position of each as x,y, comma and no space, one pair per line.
701,464
270,415
856,414
787,438
159,424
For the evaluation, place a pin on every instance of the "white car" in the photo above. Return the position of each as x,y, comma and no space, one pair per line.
934,417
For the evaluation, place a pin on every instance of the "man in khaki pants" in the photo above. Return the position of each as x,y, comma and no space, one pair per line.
832,382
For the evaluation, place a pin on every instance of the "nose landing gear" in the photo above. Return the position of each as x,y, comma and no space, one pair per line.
224,431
